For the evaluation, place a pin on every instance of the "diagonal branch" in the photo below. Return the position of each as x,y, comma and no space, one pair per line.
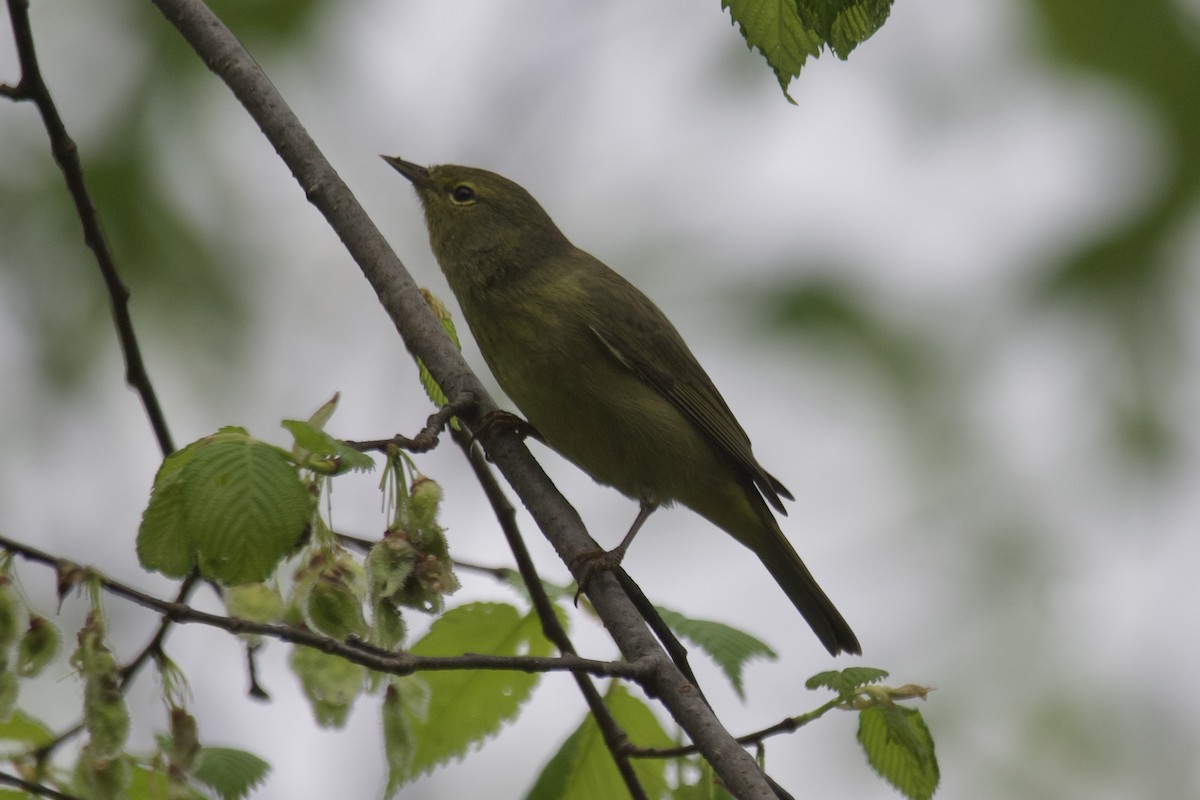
614,736
33,87
424,336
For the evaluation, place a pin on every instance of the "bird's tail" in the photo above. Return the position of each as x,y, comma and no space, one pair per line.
742,512
782,561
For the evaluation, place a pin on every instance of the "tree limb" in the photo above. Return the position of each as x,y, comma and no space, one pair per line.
33,87
423,335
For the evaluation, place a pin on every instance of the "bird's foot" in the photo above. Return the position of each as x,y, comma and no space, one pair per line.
498,420
589,565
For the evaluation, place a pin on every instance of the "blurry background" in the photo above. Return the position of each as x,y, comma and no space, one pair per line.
951,295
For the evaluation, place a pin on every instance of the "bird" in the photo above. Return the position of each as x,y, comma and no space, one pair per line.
603,376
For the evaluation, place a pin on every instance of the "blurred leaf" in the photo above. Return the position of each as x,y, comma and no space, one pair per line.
1124,280
583,767
38,646
231,773
838,320
330,683
22,728
729,647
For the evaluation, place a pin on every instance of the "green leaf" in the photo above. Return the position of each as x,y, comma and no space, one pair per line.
788,32
256,602
398,744
729,647
317,450
898,745
845,681
583,767
99,778
147,783
9,689
774,28
10,613
230,773
330,683
335,609
843,24
22,728
230,504
38,646
467,706
427,381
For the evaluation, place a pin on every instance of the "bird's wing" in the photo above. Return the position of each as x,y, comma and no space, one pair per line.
658,355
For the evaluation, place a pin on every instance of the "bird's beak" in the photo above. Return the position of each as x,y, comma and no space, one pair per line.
418,175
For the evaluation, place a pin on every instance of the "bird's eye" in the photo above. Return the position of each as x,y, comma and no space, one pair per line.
463,194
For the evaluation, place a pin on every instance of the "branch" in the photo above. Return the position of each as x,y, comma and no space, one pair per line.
427,439
351,650
789,725
34,788
614,736
424,336
33,87
153,648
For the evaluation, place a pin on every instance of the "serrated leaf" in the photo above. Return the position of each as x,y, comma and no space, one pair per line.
317,450
583,767
729,647
230,773
774,28
845,681
467,706
898,745
233,506
788,32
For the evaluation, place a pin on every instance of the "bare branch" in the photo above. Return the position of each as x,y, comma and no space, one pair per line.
33,87
34,788
351,650
614,736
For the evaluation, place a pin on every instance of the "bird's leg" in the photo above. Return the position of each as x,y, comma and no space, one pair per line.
497,420
589,564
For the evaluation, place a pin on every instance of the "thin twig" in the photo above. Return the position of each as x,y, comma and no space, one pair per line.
427,438
32,87
35,788
789,725
615,738
352,650
154,648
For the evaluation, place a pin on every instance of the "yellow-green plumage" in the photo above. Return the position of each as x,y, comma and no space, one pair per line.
602,374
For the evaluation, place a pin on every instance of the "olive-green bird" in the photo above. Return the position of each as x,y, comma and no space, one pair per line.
602,375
